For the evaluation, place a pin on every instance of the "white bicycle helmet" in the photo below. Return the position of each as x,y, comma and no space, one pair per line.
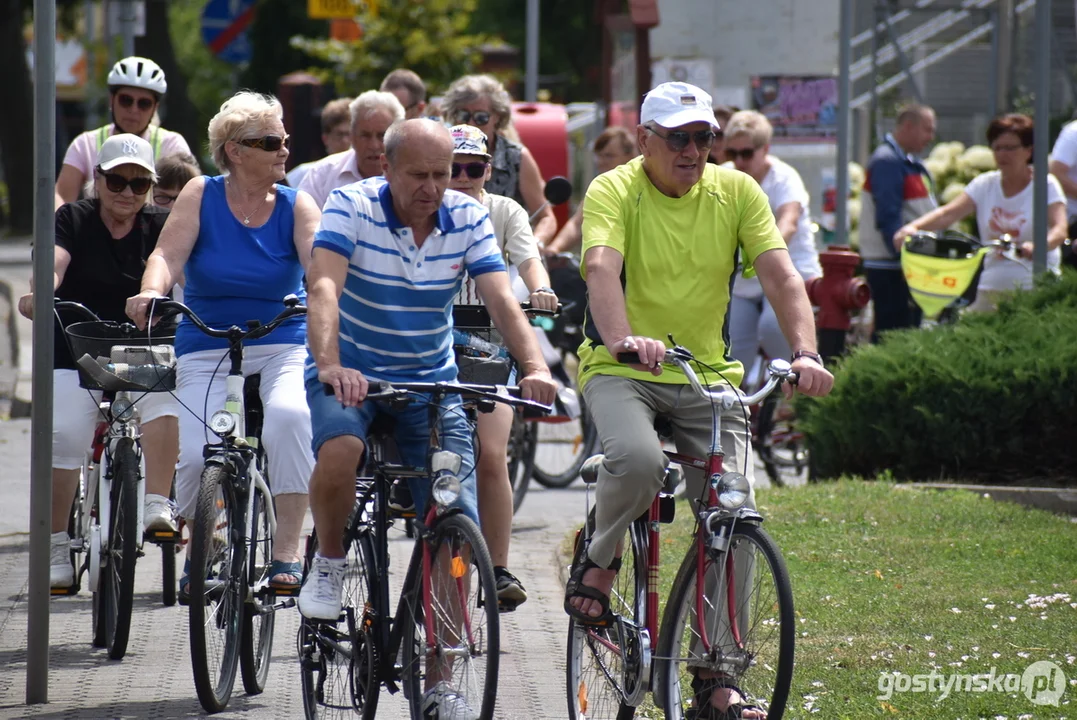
138,72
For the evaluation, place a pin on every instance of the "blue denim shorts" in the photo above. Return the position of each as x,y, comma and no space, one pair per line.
330,419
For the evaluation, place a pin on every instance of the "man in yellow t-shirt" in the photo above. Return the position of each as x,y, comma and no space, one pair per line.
662,236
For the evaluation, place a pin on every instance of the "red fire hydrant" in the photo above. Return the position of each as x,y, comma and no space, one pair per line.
837,294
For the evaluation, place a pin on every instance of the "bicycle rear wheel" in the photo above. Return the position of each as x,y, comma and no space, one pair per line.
217,582
595,670
760,663
116,585
451,639
563,448
256,648
333,685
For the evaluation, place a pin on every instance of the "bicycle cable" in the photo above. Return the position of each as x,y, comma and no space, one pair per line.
745,410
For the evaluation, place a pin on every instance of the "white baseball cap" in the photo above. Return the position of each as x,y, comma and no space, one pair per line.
469,140
673,104
125,149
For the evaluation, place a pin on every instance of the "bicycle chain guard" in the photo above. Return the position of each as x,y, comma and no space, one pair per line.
635,661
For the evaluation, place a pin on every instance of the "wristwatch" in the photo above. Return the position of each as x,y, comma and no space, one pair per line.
810,355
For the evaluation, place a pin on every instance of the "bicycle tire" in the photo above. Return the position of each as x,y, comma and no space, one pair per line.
764,613
521,458
588,444
97,612
168,565
764,424
586,643
114,598
256,644
453,532
318,666
217,567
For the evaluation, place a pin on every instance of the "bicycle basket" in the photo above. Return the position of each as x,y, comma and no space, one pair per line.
125,346
940,269
476,366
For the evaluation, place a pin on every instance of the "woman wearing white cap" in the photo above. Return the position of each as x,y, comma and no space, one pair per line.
101,249
136,86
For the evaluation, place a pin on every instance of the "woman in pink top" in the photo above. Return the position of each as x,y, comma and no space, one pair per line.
136,86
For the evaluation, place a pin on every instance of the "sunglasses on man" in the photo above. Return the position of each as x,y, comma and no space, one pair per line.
269,143
126,101
466,117
117,183
474,170
677,140
746,154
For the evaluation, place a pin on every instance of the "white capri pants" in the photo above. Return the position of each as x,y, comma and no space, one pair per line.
75,415
286,433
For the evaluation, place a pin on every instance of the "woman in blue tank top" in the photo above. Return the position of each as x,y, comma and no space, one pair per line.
242,243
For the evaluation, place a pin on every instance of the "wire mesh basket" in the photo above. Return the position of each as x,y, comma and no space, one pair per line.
107,340
480,355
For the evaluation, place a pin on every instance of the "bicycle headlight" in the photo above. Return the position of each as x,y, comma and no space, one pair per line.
222,423
733,489
123,409
446,489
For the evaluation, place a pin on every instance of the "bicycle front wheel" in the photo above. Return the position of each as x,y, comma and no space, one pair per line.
595,671
521,454
257,638
451,640
746,634
337,661
116,585
217,583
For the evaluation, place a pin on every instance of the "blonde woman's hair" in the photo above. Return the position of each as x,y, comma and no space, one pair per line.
752,123
240,114
470,88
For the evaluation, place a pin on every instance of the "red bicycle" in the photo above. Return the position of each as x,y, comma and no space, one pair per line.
729,621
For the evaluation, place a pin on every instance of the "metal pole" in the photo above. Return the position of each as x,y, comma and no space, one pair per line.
37,631
1004,30
872,140
127,26
1042,133
91,62
532,59
994,77
841,231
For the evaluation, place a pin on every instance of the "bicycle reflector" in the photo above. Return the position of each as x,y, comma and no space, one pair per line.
733,489
444,469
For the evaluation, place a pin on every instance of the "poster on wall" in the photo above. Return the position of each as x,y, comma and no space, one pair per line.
802,108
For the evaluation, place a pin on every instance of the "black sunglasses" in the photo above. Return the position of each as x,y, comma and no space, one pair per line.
127,101
475,170
269,143
677,140
746,154
463,117
117,183
163,198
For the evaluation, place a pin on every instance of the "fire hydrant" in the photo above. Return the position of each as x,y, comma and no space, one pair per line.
837,294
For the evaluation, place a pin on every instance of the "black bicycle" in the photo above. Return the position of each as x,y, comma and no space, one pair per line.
232,605
445,634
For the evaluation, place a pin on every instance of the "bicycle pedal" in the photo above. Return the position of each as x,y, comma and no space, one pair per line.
162,536
288,592
64,591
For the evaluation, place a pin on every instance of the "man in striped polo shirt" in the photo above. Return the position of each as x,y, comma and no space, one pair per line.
388,260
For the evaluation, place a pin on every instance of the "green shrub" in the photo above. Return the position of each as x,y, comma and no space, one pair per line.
991,399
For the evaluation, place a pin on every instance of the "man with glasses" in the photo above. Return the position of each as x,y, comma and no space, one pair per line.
409,89
371,115
662,235
136,86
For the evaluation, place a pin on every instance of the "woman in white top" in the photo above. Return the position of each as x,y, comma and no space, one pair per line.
1002,201
470,171
753,323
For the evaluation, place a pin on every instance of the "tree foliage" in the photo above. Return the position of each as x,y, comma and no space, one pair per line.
431,37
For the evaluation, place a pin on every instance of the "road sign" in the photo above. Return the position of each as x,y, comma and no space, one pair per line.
224,28
339,9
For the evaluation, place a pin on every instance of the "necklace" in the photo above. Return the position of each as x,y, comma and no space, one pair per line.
247,217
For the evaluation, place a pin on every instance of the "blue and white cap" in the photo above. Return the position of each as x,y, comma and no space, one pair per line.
674,104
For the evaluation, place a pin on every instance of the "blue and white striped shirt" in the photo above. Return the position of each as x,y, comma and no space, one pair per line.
396,307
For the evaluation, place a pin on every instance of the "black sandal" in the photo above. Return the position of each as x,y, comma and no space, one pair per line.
702,692
575,588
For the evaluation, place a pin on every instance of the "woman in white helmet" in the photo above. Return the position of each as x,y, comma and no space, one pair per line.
136,86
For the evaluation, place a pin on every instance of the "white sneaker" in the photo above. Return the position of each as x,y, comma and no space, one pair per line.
61,571
443,702
320,597
158,515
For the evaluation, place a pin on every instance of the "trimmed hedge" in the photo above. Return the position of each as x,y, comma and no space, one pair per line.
992,399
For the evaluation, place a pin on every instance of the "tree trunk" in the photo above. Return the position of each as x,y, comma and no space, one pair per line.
180,114
17,119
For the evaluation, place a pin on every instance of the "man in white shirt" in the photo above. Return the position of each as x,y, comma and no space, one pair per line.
1064,167
371,114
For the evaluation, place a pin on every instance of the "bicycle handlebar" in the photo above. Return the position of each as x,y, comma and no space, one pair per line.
780,371
506,394
161,306
58,304
528,309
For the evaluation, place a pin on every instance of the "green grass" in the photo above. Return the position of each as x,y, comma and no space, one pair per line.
890,579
